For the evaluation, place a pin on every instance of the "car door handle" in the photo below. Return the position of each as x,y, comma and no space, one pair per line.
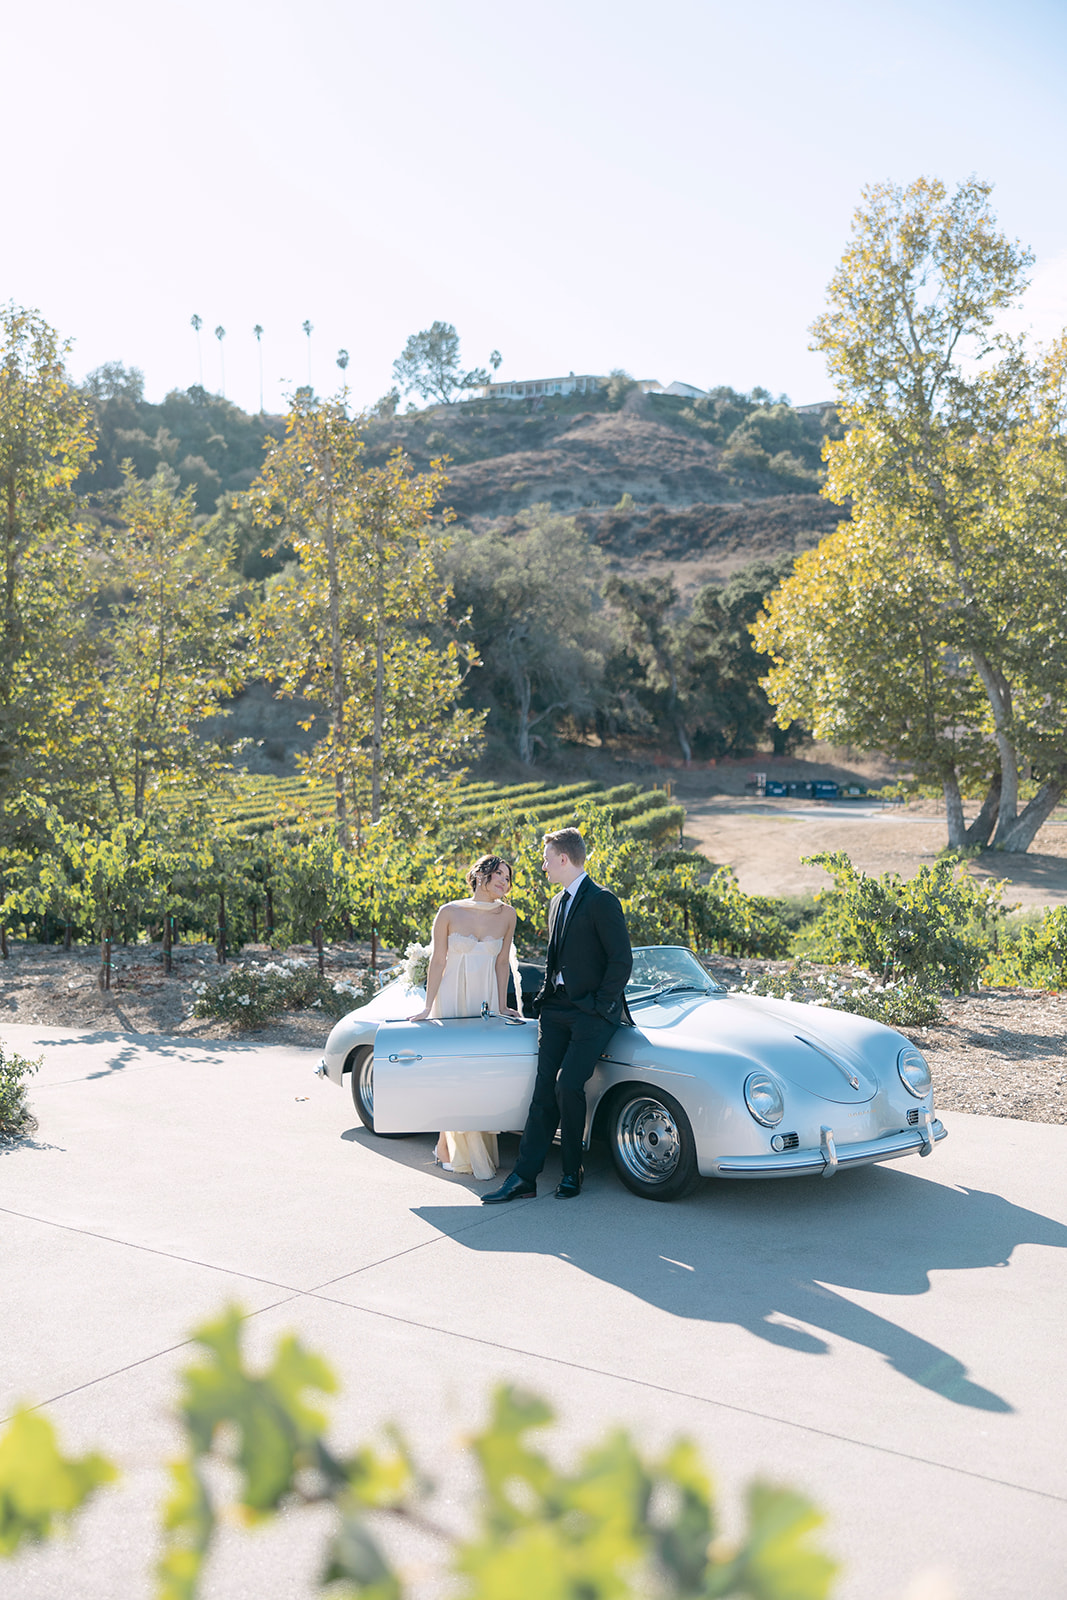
405,1055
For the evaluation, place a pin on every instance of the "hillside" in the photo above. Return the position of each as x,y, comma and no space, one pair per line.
704,500
714,483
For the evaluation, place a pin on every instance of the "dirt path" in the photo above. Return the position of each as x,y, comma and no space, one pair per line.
764,841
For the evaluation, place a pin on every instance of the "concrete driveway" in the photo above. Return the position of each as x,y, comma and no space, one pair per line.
890,1342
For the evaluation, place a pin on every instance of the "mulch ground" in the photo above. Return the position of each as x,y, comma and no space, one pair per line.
1002,1052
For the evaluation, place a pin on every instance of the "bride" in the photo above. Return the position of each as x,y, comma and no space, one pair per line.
470,960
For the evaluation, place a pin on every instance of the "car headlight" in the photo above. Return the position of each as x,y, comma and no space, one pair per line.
764,1099
914,1073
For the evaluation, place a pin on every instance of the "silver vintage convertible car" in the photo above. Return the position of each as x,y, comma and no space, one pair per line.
706,1084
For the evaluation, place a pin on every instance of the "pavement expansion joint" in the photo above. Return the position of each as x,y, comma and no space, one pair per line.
152,1250
424,1244
685,1394
145,1361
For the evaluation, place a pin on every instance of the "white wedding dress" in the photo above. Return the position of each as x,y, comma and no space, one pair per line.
468,981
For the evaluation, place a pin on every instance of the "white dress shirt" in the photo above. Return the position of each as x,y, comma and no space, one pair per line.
569,892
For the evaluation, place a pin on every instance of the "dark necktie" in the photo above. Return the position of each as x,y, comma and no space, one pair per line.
558,938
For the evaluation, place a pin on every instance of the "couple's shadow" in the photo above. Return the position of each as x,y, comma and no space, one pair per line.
769,1256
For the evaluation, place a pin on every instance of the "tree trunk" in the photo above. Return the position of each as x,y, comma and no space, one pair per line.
999,696
167,936
67,934
318,947
957,832
269,916
525,696
220,943
4,951
982,827
104,979
1020,836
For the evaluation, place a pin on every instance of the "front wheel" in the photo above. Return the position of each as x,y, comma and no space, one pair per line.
362,1081
652,1145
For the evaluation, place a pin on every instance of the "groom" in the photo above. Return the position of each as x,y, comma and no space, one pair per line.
589,962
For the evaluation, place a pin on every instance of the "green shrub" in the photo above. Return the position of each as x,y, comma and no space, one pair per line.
1034,956
16,1118
906,1004
655,825
249,996
934,928
742,924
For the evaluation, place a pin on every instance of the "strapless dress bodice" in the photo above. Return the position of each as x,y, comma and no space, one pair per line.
465,943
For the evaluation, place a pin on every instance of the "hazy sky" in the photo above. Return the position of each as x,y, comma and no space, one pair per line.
584,185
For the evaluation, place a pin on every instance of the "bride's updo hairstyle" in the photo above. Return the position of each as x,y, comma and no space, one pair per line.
478,875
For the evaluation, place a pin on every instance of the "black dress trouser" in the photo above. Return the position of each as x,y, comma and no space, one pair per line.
570,1042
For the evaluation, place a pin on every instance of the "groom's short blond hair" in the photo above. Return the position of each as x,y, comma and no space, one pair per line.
567,842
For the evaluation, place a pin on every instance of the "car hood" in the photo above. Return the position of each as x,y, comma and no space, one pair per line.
826,1053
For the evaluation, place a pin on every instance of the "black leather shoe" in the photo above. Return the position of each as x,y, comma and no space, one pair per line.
570,1185
513,1188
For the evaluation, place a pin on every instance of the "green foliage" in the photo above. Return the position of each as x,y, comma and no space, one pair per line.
1032,956
618,1525
16,1118
955,470
934,928
429,363
532,601
905,1004
39,1486
214,447
359,621
249,996
172,648
743,924
46,646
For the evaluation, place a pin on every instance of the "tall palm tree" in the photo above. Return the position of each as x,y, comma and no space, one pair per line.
197,323
220,334
258,331
307,327
342,359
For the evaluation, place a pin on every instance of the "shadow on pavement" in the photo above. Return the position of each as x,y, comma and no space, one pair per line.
771,1258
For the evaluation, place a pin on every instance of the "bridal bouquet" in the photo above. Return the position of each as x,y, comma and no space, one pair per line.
416,965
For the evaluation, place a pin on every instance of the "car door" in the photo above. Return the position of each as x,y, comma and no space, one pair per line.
467,1074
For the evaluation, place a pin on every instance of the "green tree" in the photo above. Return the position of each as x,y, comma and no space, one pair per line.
360,620
429,363
727,708
858,654
533,602
956,444
644,607
170,652
46,585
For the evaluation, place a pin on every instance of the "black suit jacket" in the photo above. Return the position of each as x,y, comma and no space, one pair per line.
594,956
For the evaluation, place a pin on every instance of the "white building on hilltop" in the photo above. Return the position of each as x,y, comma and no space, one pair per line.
580,383
584,383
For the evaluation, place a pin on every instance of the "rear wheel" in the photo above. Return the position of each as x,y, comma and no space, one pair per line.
652,1145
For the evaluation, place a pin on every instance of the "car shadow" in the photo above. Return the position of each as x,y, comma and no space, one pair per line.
779,1258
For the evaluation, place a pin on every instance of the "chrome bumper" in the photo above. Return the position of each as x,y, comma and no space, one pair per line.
831,1157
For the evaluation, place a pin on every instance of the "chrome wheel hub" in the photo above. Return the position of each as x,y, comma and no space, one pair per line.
646,1137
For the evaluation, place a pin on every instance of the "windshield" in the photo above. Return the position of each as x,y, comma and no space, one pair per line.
658,968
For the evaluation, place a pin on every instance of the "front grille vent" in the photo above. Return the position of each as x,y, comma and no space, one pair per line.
913,1117
790,1141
